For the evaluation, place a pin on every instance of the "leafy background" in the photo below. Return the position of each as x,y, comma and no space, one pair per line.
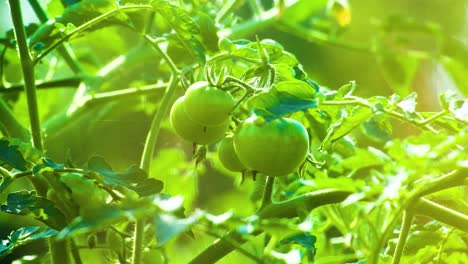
400,55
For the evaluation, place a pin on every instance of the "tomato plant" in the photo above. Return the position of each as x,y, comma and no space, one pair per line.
124,126
275,148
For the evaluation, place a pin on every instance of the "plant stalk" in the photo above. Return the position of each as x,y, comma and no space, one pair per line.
28,72
267,193
150,143
58,249
405,227
442,214
10,126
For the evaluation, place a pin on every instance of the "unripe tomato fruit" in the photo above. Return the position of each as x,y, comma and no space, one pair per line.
228,156
208,105
274,148
191,130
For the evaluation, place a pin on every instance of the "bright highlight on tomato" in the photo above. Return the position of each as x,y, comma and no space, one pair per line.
274,148
208,105
228,156
193,131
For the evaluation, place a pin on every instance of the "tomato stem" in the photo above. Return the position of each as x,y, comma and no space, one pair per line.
28,73
407,220
247,87
267,193
151,140
442,214
89,24
58,249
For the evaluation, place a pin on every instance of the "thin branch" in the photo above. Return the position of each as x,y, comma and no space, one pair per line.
99,98
91,23
64,51
154,44
310,201
404,231
449,180
421,124
63,83
233,243
442,214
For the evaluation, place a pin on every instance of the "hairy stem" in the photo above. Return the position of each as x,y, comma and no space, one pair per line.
28,72
150,143
407,220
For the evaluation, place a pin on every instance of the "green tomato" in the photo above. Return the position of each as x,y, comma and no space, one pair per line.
274,148
208,105
191,130
228,156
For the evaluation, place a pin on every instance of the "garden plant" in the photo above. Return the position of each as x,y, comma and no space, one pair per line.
237,131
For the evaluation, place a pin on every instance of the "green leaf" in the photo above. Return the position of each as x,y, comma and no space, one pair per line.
290,105
283,72
208,30
346,90
6,180
133,178
46,165
27,203
303,10
168,226
108,215
296,89
22,236
184,26
459,109
11,156
285,98
377,129
304,239
349,120
364,159
408,104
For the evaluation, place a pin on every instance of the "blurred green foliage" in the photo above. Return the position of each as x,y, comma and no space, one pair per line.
364,77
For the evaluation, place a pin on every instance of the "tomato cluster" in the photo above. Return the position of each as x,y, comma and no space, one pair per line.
273,147
202,115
